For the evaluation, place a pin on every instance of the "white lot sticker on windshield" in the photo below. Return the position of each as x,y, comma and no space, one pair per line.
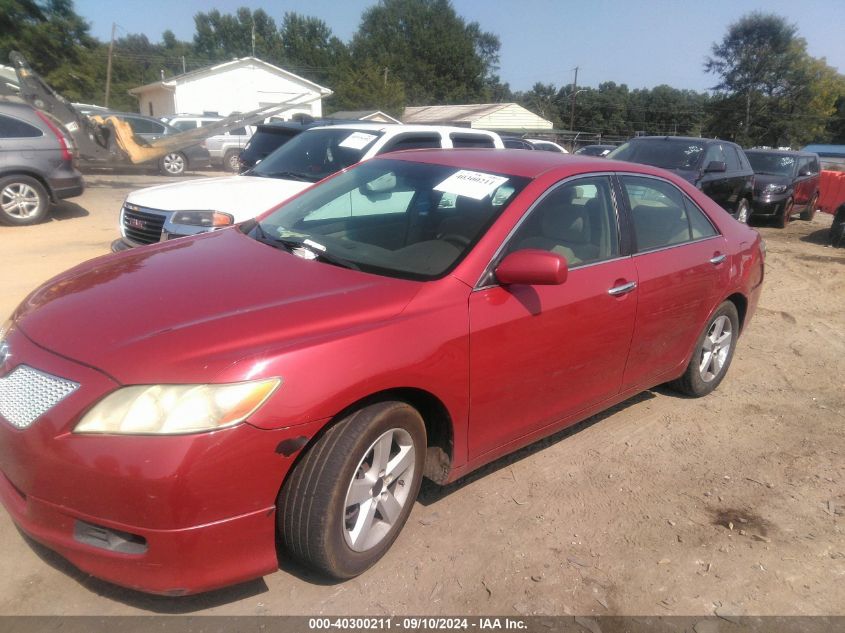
357,140
472,184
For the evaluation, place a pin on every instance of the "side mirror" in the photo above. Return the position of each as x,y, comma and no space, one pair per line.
806,172
532,267
716,165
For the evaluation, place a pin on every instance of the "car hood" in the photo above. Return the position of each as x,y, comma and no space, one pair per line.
244,197
183,311
761,180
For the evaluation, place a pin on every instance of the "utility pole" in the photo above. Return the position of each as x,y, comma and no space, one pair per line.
385,75
574,95
253,37
183,65
108,66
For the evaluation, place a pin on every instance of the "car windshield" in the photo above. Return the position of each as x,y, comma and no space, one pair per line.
392,217
771,164
316,153
666,153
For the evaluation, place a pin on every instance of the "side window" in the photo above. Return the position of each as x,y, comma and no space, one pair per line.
238,131
13,128
184,125
471,140
576,220
662,215
814,165
732,159
143,126
412,141
714,152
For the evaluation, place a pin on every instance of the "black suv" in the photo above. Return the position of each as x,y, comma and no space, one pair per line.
36,164
719,168
786,182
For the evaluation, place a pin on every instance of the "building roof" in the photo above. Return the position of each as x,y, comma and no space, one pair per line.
172,82
362,115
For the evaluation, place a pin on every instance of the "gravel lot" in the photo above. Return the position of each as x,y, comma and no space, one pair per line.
729,504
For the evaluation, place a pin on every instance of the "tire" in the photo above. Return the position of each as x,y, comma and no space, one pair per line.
810,212
173,164
786,214
23,201
231,161
703,374
743,211
837,231
333,508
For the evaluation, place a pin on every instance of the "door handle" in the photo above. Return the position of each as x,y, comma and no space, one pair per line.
718,259
623,289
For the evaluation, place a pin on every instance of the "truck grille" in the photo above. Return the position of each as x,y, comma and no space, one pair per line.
26,394
142,226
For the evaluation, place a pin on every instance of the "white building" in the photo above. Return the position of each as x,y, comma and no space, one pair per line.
241,85
510,117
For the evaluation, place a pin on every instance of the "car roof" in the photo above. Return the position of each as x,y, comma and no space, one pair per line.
681,138
401,127
518,162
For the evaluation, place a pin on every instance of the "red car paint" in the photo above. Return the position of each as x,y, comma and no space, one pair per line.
222,307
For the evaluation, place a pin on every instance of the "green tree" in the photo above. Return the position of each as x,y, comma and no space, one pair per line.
310,48
223,36
365,88
771,91
432,51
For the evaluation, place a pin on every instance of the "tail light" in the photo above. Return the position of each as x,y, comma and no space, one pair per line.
67,154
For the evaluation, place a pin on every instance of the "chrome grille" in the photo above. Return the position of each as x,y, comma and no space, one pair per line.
26,394
142,226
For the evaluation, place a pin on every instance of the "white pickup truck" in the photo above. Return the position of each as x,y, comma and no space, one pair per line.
175,210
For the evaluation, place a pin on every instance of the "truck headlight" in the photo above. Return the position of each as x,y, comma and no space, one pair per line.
773,188
176,409
211,219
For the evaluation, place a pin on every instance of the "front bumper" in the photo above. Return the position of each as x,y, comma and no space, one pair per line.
769,205
198,510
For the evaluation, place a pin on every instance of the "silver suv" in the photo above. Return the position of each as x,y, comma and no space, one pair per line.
225,148
36,164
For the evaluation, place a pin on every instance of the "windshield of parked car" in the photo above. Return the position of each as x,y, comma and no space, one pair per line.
666,153
396,218
772,164
316,153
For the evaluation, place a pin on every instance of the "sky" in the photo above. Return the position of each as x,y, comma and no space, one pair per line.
642,43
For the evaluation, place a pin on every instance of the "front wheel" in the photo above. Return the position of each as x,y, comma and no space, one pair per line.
346,500
23,200
173,164
232,161
713,353
810,212
743,211
786,214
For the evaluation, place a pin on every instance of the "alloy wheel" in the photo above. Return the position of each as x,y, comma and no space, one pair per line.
379,490
174,164
715,349
19,200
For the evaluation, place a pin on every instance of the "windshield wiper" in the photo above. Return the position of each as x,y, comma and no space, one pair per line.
292,175
289,244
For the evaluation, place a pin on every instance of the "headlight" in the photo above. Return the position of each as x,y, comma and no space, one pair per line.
773,188
176,409
202,218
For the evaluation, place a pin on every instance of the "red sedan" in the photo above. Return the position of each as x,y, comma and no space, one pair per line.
168,412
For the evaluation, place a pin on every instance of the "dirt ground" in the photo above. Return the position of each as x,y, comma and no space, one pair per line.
731,504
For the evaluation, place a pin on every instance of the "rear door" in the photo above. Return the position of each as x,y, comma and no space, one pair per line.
681,266
806,182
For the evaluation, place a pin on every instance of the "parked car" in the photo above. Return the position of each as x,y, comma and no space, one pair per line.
292,379
36,164
224,149
595,150
719,168
785,183
174,163
516,142
267,139
170,211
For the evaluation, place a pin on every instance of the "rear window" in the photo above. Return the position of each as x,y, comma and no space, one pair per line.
471,140
14,128
666,153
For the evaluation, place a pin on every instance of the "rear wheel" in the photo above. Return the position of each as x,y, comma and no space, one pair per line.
346,500
173,164
231,161
810,212
837,231
713,353
786,214
23,200
743,211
